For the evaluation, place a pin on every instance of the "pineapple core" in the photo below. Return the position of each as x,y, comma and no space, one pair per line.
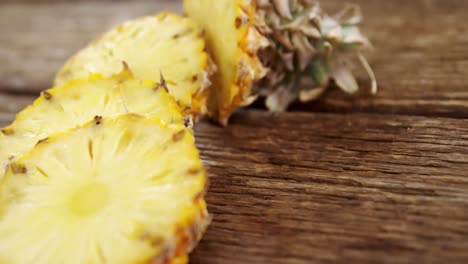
89,199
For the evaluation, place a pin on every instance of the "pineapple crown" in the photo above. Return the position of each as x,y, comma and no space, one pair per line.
307,49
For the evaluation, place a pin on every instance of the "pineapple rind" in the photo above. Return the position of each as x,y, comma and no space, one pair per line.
164,44
154,213
180,260
233,41
79,101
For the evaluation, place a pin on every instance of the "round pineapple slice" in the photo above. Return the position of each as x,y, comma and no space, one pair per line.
79,101
233,42
117,190
163,45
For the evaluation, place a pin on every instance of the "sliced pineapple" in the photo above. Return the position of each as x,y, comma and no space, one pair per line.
165,44
117,190
180,260
79,101
233,42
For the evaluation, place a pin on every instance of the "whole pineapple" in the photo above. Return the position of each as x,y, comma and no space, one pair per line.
78,101
166,48
279,49
116,190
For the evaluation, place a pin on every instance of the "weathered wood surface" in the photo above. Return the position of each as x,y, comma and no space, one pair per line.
302,188
333,186
420,55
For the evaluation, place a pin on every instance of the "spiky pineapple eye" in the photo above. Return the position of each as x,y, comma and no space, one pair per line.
178,136
154,241
8,131
98,120
238,22
182,34
18,168
42,141
194,171
188,121
47,95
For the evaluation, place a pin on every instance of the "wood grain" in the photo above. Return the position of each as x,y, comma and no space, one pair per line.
358,188
420,55
37,39
420,58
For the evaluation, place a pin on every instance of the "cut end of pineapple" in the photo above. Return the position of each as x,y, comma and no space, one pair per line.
123,190
165,44
233,41
79,101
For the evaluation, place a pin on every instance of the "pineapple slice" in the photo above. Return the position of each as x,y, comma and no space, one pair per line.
163,45
79,101
117,190
232,41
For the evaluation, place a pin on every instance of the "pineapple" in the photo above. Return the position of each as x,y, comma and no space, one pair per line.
79,101
180,260
165,48
278,49
116,190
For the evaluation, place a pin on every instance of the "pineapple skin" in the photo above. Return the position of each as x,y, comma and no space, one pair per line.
285,50
47,114
153,47
189,229
231,90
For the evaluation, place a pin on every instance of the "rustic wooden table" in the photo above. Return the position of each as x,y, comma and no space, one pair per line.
361,179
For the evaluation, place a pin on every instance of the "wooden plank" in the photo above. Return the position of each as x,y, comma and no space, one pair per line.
420,59
420,56
76,1
37,39
10,104
356,188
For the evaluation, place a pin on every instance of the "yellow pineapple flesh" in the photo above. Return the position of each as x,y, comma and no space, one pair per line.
116,190
180,260
233,41
166,44
79,101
